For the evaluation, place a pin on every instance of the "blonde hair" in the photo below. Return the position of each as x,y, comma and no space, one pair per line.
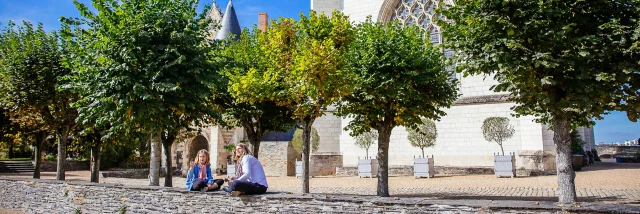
197,159
236,157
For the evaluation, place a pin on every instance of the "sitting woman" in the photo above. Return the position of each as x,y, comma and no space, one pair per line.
251,178
199,176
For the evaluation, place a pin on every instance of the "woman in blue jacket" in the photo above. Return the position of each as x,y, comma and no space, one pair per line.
199,176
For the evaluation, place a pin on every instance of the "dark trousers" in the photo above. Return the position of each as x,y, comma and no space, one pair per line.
248,187
198,185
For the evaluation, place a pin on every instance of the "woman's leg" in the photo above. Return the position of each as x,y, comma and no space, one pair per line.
248,187
217,183
198,185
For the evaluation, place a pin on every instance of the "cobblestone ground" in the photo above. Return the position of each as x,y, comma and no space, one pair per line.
605,182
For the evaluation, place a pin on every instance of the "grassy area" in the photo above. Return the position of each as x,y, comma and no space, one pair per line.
15,159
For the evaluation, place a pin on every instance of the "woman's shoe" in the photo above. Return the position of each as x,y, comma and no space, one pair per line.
227,189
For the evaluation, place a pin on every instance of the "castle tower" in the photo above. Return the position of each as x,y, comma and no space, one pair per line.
230,24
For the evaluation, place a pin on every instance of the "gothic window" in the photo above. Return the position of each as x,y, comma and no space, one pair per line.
422,13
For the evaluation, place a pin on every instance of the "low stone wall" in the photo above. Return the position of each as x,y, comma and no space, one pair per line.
408,170
46,196
129,173
52,166
277,158
537,160
326,163
50,196
613,151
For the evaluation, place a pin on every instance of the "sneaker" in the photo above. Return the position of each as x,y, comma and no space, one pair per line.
204,189
226,189
236,193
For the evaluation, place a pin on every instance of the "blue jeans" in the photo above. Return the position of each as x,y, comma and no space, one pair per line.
247,187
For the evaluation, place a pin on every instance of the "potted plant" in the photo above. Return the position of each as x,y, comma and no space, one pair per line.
367,167
296,142
498,129
231,166
424,135
577,159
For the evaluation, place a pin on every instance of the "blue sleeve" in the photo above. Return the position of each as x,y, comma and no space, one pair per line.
190,179
209,177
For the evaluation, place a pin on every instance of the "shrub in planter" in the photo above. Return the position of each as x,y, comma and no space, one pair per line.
424,135
595,155
498,129
367,167
577,159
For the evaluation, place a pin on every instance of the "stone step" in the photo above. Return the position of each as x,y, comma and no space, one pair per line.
16,166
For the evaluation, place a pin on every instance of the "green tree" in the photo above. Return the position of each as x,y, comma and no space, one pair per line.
303,71
365,140
497,129
399,78
424,135
296,142
143,65
31,72
238,57
564,62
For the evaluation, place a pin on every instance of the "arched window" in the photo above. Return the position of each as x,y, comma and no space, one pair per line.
422,13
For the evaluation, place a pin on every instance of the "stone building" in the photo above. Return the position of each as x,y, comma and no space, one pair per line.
460,142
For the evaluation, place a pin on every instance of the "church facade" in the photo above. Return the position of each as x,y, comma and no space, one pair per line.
460,142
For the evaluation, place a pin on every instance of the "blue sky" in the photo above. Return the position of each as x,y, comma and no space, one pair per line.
614,127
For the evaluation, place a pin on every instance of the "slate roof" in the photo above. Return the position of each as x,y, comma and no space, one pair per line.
229,24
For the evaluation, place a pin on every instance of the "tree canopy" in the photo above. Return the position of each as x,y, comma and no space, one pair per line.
497,129
424,135
398,77
304,70
31,72
564,62
142,65
365,140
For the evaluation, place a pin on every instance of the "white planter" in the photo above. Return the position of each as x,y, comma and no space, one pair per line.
299,169
231,170
423,167
505,165
368,168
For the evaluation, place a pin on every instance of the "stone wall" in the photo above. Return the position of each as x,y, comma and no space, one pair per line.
544,161
408,170
50,196
612,151
326,163
52,166
277,158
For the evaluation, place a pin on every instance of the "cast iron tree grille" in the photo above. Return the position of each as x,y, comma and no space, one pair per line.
422,14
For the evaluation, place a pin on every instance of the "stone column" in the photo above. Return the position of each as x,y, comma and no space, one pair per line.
213,148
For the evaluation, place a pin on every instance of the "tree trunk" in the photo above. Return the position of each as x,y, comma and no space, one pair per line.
383,160
10,149
255,138
63,133
501,148
423,153
95,160
566,175
40,138
166,144
155,159
306,150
